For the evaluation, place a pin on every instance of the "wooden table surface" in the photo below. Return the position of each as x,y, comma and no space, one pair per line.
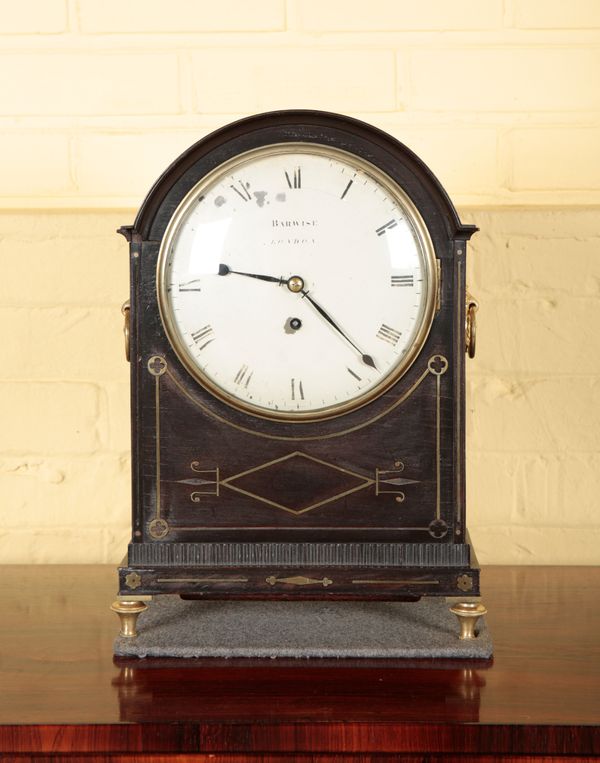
62,693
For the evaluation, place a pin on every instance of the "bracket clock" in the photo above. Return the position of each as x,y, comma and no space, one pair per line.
297,328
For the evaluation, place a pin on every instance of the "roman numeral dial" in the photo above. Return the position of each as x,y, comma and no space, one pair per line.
300,286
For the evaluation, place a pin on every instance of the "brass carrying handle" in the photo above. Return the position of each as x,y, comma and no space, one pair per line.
126,311
472,307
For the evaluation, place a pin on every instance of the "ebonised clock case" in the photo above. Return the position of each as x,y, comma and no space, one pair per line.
367,505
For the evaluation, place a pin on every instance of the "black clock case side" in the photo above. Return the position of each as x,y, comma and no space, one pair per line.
458,571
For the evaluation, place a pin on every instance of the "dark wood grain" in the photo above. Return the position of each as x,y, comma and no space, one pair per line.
62,693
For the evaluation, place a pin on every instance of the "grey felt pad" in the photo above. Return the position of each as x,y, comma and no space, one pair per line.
171,627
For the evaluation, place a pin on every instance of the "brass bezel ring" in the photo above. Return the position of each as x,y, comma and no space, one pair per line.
427,253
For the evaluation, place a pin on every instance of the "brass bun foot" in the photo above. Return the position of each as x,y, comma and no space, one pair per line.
128,612
468,613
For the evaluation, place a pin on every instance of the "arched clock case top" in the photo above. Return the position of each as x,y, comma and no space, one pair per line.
230,503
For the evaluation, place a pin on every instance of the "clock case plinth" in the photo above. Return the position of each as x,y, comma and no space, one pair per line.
368,505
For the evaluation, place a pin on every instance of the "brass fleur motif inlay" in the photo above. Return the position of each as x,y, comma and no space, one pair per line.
133,580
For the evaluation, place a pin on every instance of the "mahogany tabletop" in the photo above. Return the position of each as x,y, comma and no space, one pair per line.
63,693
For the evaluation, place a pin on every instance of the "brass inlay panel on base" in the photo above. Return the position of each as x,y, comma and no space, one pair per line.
210,486
295,438
158,528
298,580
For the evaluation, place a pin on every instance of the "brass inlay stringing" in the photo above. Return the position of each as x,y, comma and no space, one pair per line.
157,430
299,580
458,360
157,366
254,528
392,478
396,582
159,528
365,482
196,495
438,365
202,580
437,451
295,438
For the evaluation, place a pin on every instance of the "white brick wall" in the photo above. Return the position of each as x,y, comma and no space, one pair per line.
41,17
505,79
397,15
41,417
183,16
88,86
248,79
563,158
556,14
82,82
499,97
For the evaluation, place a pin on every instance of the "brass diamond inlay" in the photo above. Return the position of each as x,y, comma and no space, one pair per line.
317,482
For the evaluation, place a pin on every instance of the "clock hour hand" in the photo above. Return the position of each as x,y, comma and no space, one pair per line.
225,270
366,359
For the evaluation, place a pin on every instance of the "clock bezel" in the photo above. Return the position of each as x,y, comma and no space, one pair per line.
427,253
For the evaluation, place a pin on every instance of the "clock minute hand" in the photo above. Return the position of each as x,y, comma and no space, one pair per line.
226,270
366,359
295,284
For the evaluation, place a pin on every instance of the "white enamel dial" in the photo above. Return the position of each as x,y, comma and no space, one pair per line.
297,282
